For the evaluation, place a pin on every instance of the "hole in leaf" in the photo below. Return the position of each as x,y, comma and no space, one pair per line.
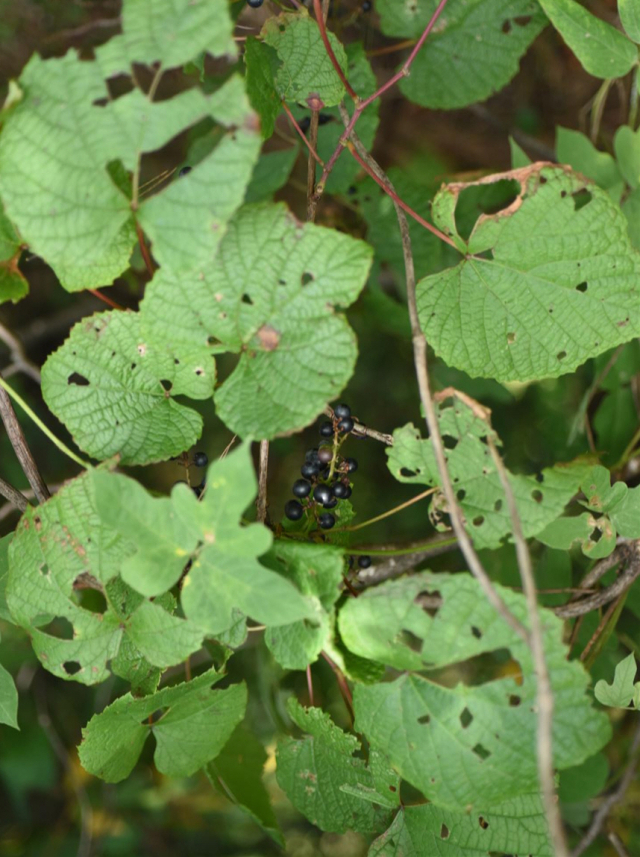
466,717
506,27
166,385
461,494
404,471
306,278
282,282
429,601
497,505
539,477
537,495
393,789
152,718
581,198
563,193
71,667
444,832
561,355
477,633
44,570
93,600
481,752
60,628
246,299
478,521
449,442
522,20
409,639
582,287
424,720
511,338
78,379
514,700
595,536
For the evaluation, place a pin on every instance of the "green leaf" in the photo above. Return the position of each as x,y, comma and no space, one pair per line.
472,52
519,157
316,570
585,781
548,298
195,724
306,71
626,144
630,18
113,387
172,31
631,210
467,745
5,541
325,782
576,150
236,773
540,499
63,544
224,574
602,50
261,63
270,173
268,296
188,219
8,699
620,692
515,826
564,532
13,284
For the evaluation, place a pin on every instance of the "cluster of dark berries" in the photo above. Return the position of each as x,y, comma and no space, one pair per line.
255,4
323,485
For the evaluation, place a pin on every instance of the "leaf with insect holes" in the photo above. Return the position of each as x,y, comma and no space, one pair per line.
515,826
224,574
577,150
540,499
168,31
325,782
13,285
463,746
195,724
114,388
61,547
472,52
602,50
236,773
306,72
270,295
316,570
546,284
621,691
66,141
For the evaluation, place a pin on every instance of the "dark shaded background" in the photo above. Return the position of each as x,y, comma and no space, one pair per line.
44,794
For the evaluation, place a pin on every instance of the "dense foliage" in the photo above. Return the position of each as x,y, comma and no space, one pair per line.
410,693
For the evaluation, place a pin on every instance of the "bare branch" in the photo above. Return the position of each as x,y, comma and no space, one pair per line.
544,695
15,498
394,566
263,470
623,582
19,360
364,431
21,448
611,800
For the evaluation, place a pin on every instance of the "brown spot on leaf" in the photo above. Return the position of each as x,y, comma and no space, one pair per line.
269,337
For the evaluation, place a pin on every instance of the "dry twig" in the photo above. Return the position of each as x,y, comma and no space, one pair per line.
21,448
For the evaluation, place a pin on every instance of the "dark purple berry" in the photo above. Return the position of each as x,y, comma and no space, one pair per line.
326,520
322,494
326,430
304,124
325,454
331,504
342,411
346,424
255,4
323,118
340,490
364,561
367,6
301,488
293,510
200,459
348,494
352,465
309,469
311,454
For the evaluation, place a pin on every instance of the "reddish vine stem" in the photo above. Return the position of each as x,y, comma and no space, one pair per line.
345,690
104,299
301,134
361,105
320,18
145,251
